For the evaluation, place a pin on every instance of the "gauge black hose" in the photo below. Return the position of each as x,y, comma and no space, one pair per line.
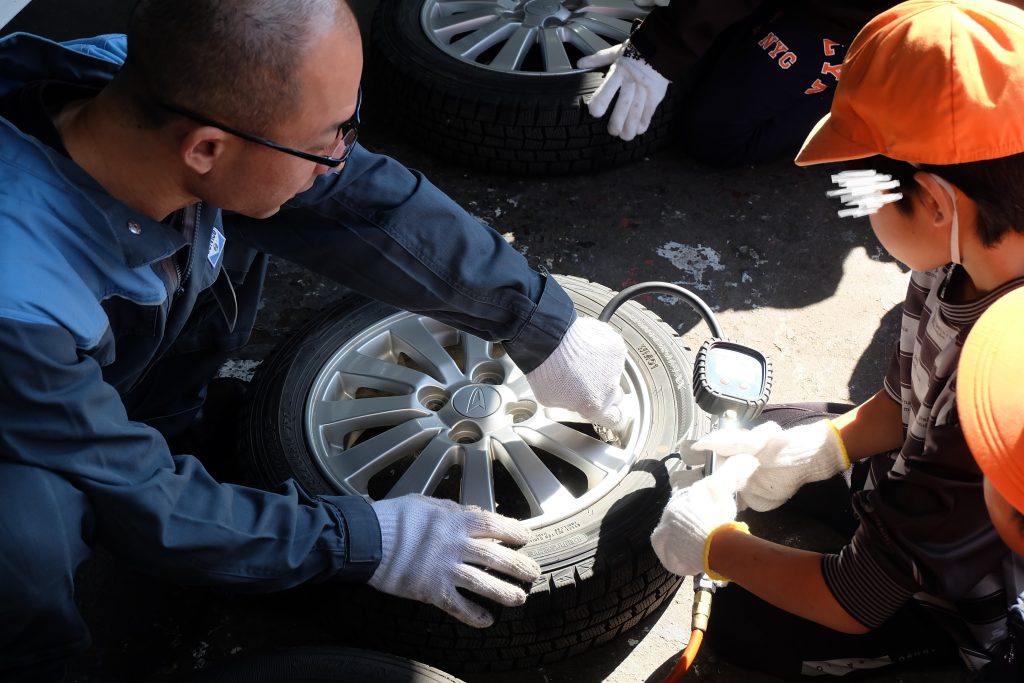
686,295
703,587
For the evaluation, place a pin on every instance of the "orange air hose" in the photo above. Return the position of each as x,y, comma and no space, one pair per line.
686,659
702,594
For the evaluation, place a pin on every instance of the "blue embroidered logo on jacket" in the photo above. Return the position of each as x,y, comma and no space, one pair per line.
216,247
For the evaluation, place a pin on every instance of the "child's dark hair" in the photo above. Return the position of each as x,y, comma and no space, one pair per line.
995,185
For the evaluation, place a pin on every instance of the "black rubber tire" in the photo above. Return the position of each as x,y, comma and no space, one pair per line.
321,665
600,575
496,122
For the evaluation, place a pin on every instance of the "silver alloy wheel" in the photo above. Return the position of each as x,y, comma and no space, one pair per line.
411,405
528,37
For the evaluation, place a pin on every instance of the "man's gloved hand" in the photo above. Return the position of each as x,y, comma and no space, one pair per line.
430,547
582,374
693,514
641,89
789,458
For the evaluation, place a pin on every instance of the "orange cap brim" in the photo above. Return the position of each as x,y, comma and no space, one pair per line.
825,145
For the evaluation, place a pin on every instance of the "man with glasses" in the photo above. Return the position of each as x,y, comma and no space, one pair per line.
123,286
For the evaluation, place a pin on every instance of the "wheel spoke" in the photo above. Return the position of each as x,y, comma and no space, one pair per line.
355,466
448,25
350,414
594,457
477,478
485,37
475,351
555,58
413,339
427,469
625,9
361,370
513,52
448,7
586,40
539,486
615,29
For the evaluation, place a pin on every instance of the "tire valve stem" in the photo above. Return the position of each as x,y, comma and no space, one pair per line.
605,434
704,590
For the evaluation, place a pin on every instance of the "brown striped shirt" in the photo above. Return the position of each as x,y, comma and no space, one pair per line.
924,529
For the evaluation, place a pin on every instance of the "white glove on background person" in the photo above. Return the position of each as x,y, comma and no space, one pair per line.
693,514
582,374
430,547
789,458
640,87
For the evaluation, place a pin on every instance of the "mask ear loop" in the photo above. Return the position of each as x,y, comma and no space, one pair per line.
954,231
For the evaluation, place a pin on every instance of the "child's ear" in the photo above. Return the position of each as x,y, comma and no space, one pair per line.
935,200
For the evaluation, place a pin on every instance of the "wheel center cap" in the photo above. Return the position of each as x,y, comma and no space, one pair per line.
476,400
542,8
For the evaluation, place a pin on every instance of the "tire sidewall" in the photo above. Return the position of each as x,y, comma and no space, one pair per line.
631,507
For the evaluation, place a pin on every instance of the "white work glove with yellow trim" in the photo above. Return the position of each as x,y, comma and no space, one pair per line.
789,458
583,373
431,547
693,515
639,86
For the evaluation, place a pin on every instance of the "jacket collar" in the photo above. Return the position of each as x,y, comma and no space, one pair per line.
24,58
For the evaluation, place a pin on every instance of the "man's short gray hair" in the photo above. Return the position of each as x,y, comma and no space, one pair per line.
233,60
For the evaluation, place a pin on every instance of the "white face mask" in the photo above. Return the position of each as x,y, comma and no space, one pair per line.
954,231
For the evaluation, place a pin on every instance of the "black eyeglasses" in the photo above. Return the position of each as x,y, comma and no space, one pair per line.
344,142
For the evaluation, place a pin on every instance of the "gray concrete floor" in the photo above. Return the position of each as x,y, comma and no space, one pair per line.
762,245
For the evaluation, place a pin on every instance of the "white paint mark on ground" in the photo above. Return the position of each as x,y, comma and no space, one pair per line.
239,369
693,261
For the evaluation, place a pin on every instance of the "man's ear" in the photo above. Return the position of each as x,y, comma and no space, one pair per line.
935,199
202,147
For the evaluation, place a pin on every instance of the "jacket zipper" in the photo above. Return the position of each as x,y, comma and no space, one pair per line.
177,288
190,235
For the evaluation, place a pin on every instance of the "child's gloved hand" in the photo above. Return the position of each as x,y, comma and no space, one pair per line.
694,513
583,373
789,458
639,86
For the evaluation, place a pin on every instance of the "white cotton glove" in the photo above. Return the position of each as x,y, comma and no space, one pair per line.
651,3
640,87
789,458
430,547
693,514
582,374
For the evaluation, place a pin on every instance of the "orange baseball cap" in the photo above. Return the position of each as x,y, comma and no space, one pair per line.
990,395
930,82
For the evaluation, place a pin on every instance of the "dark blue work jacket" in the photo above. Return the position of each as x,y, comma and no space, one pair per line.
93,294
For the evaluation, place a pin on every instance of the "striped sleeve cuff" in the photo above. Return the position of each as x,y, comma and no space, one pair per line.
861,587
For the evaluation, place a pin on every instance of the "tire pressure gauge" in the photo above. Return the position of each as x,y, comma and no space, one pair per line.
730,376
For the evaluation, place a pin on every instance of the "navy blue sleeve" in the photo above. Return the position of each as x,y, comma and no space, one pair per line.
163,513
386,232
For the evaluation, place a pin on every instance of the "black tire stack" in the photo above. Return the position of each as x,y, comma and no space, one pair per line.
526,125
